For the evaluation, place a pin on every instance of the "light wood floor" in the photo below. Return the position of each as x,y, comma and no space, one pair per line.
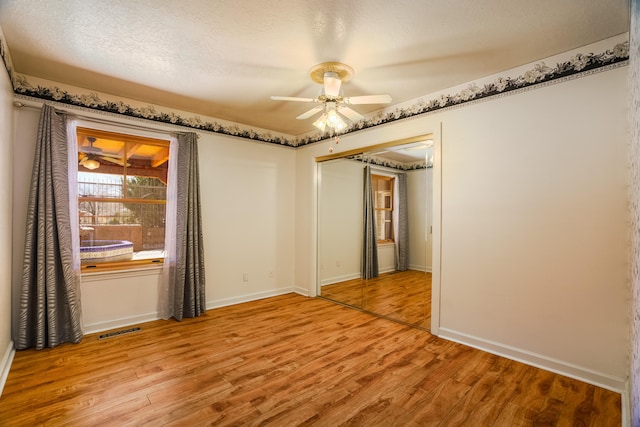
401,295
287,361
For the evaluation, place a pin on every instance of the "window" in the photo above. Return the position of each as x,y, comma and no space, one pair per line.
122,190
383,206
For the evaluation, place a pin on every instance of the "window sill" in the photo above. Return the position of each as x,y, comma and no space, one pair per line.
105,275
125,266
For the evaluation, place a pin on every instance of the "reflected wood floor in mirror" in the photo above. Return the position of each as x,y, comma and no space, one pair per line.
285,361
399,295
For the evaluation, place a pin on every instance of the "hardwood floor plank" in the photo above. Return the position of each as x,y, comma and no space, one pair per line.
607,408
516,416
549,414
498,395
400,295
97,415
289,360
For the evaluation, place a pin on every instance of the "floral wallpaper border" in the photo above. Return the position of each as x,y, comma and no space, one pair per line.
377,161
580,64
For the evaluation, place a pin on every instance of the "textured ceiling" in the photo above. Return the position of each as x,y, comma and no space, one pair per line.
224,59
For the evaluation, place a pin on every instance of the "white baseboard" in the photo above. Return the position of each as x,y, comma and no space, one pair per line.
344,278
5,365
250,297
120,323
589,376
148,317
338,279
300,290
420,268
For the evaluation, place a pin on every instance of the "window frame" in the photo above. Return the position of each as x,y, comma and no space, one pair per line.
157,139
375,177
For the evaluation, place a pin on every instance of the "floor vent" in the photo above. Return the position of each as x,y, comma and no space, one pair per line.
118,333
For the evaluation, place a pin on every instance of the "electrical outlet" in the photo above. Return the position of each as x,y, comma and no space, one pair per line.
270,274
245,277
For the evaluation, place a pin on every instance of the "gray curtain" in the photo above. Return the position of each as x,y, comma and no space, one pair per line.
402,220
187,281
369,263
49,312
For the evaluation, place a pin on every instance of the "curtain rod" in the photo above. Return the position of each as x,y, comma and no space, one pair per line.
21,104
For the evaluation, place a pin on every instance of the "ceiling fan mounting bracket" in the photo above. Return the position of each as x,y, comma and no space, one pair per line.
344,72
326,98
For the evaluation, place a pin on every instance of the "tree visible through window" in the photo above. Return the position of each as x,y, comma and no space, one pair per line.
122,188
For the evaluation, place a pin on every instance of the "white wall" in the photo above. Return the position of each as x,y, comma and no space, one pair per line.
249,216
248,221
24,139
114,299
386,257
340,220
534,223
419,206
531,189
634,114
6,169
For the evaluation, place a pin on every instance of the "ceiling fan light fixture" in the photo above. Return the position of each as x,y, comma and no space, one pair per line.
334,120
90,164
341,125
321,123
331,75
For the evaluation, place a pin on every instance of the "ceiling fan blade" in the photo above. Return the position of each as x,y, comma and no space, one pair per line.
368,99
114,160
90,149
310,113
350,114
332,84
292,98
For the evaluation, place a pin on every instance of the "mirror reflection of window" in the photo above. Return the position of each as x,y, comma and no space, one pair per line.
383,206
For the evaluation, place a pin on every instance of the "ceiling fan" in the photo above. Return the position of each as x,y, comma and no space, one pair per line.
89,153
332,102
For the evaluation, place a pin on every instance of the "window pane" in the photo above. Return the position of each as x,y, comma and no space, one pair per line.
122,187
383,204
99,185
142,187
384,225
112,223
98,153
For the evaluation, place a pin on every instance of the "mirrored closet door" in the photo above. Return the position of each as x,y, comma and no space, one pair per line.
374,236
